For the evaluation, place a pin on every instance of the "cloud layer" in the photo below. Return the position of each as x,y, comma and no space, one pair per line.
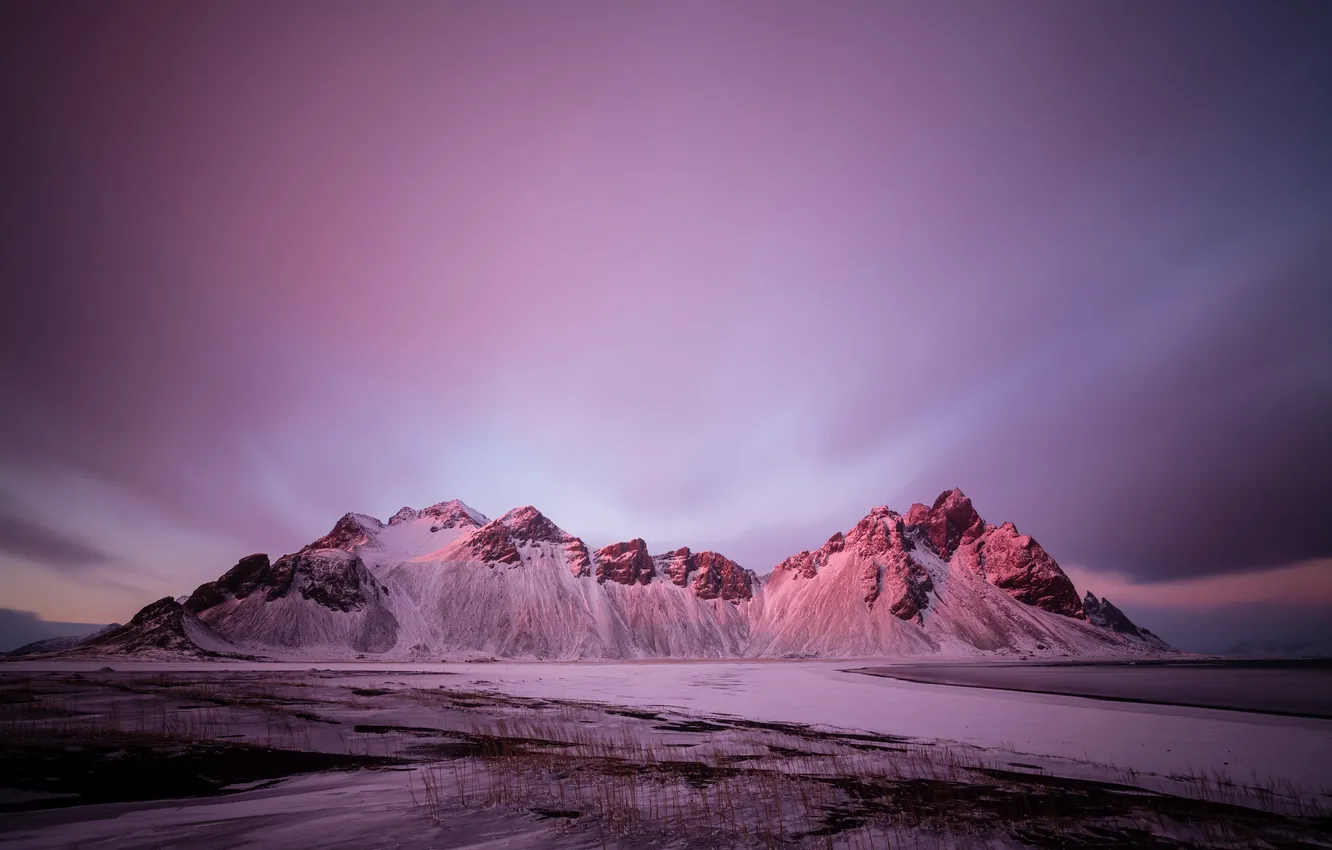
717,274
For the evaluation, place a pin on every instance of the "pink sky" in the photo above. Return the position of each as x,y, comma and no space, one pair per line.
717,274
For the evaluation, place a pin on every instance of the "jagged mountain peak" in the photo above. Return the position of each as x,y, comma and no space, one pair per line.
1103,613
627,562
952,500
349,532
708,575
720,577
444,580
502,540
455,511
165,626
528,524
952,521
449,514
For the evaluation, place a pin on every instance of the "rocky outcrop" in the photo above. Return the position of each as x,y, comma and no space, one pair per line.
1016,563
888,574
160,626
351,531
580,560
800,565
625,563
676,566
491,544
720,577
952,529
500,541
251,573
950,523
708,575
451,514
806,564
905,586
329,577
404,514
529,525
1101,612
333,578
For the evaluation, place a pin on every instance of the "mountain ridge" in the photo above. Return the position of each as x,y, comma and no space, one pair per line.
447,582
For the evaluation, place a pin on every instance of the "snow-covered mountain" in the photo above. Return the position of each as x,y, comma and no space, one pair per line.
61,642
446,582
161,628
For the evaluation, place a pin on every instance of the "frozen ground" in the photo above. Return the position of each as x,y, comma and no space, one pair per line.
636,754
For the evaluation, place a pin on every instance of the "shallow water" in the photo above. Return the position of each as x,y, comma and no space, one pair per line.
1301,688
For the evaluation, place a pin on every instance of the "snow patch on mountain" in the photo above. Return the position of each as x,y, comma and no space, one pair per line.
446,582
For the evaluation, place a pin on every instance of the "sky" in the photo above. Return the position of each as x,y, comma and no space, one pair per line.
718,274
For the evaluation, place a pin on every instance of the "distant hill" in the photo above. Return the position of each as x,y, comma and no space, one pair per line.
19,628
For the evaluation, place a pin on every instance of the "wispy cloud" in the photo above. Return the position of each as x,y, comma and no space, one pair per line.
40,544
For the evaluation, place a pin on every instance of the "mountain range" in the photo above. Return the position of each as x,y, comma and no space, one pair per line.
446,582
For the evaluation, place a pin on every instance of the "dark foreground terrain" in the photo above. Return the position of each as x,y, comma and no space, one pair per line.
265,758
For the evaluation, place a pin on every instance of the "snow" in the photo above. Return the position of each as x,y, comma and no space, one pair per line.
1150,738
1158,739
427,597
418,538
1062,736
966,617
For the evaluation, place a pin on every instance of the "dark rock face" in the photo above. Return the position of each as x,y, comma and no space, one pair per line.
404,514
676,566
332,578
529,525
1104,614
158,626
497,542
952,528
337,582
719,576
801,564
877,534
806,564
888,574
1100,612
906,586
1017,563
950,523
492,544
250,574
625,563
835,544
709,575
347,534
580,561
450,514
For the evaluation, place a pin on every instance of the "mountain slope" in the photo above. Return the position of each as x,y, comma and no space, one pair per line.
1107,616
938,580
62,642
447,582
164,628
